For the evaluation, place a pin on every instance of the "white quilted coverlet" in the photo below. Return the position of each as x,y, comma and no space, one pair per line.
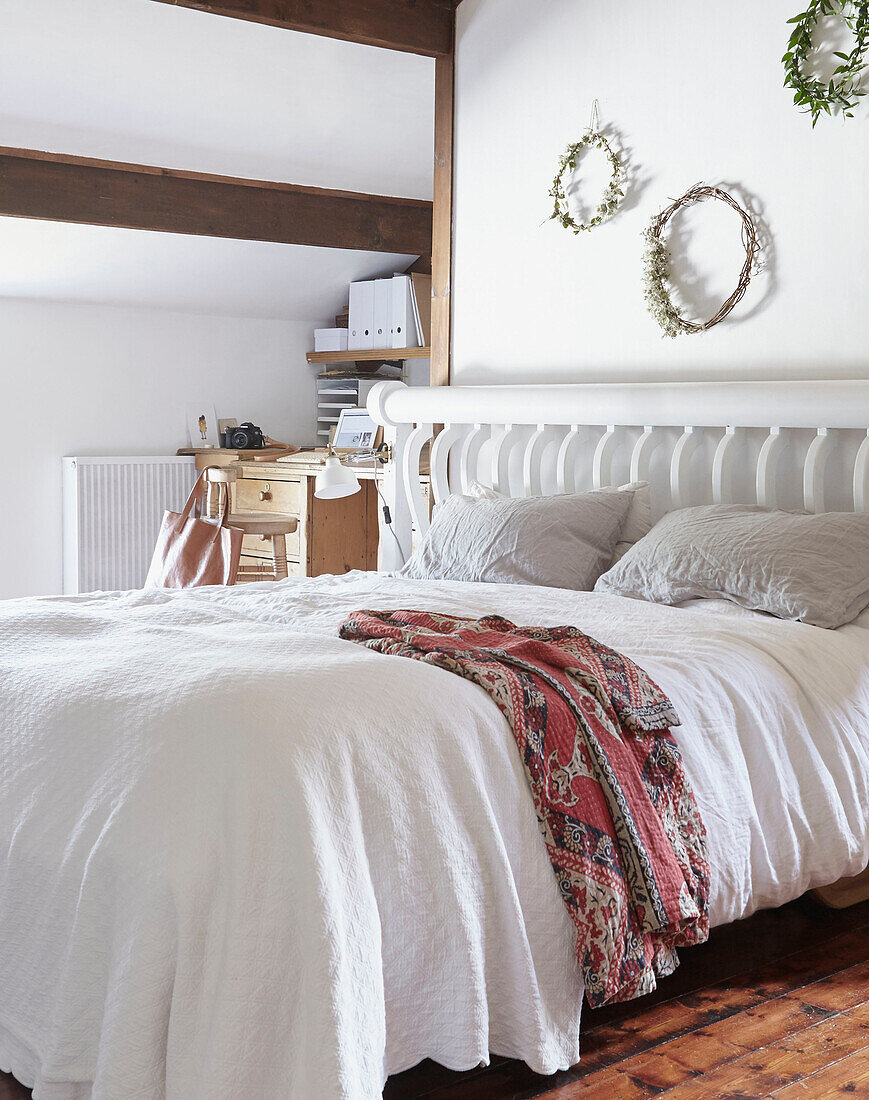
242,858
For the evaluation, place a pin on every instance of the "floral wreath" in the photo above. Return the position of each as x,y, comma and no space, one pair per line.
615,190
656,261
843,90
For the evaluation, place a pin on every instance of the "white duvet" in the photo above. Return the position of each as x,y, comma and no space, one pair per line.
242,858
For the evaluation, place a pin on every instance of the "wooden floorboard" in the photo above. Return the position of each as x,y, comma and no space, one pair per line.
777,1005
774,1005
11,1090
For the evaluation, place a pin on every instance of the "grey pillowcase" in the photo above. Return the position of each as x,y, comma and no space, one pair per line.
638,521
562,541
812,568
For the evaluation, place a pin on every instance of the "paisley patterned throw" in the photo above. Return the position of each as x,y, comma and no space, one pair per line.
621,827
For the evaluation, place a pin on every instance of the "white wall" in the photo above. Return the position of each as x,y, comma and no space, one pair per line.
695,92
84,379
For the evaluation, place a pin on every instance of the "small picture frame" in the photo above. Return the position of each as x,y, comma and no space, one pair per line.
202,426
356,430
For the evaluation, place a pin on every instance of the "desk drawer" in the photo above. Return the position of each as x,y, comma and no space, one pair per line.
264,495
255,547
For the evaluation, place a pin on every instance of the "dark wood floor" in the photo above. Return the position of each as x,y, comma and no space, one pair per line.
777,1005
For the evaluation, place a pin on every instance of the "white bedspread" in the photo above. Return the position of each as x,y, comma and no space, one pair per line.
242,858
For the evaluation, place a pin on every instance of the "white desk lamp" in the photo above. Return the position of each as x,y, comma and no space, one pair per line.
337,480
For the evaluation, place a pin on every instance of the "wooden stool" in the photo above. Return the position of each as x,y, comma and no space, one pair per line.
268,526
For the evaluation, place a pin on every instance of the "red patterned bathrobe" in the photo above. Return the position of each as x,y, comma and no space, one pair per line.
619,819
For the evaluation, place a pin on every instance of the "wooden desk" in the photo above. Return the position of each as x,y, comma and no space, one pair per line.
226,456
333,536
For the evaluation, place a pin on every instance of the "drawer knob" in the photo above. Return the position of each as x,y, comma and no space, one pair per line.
265,495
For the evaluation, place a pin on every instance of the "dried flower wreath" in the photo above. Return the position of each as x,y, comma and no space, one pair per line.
656,261
615,189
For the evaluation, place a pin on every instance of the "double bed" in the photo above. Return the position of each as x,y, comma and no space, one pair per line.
240,856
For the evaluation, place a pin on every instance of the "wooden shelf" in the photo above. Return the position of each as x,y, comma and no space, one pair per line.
386,355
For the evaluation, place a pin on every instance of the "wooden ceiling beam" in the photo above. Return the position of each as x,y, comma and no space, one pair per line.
55,187
412,26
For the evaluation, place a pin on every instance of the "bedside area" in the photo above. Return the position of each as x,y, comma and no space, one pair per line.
332,536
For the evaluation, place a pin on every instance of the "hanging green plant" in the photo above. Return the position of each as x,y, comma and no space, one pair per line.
843,91
615,189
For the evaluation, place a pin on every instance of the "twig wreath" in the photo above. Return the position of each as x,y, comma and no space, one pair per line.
615,189
843,90
656,260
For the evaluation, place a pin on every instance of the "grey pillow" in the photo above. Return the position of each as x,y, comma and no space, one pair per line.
562,541
638,521
813,568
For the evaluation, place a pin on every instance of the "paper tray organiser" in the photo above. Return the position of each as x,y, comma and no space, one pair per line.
335,394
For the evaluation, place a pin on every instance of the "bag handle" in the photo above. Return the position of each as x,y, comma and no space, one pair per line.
194,504
194,498
223,518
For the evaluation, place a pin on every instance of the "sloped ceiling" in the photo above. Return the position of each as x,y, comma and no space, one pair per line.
132,80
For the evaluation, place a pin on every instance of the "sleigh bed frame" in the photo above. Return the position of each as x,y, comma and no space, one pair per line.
788,444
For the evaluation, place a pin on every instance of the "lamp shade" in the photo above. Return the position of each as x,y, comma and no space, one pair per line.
335,480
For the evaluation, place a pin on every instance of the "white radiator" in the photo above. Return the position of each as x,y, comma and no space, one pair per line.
112,508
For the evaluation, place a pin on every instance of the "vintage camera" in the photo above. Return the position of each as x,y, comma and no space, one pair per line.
245,437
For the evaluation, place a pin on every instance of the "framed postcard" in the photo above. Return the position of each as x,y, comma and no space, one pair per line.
355,430
202,426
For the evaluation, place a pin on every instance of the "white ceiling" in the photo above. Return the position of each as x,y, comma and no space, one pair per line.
88,263
150,83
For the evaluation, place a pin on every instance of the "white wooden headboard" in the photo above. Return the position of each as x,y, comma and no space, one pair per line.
790,444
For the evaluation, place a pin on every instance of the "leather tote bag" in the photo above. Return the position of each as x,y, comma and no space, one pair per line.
191,550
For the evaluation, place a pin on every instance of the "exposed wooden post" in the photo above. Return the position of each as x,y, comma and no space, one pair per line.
442,224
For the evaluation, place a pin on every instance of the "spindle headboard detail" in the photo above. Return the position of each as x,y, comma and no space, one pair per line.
801,444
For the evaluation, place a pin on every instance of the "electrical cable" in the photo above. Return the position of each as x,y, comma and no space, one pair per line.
387,518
